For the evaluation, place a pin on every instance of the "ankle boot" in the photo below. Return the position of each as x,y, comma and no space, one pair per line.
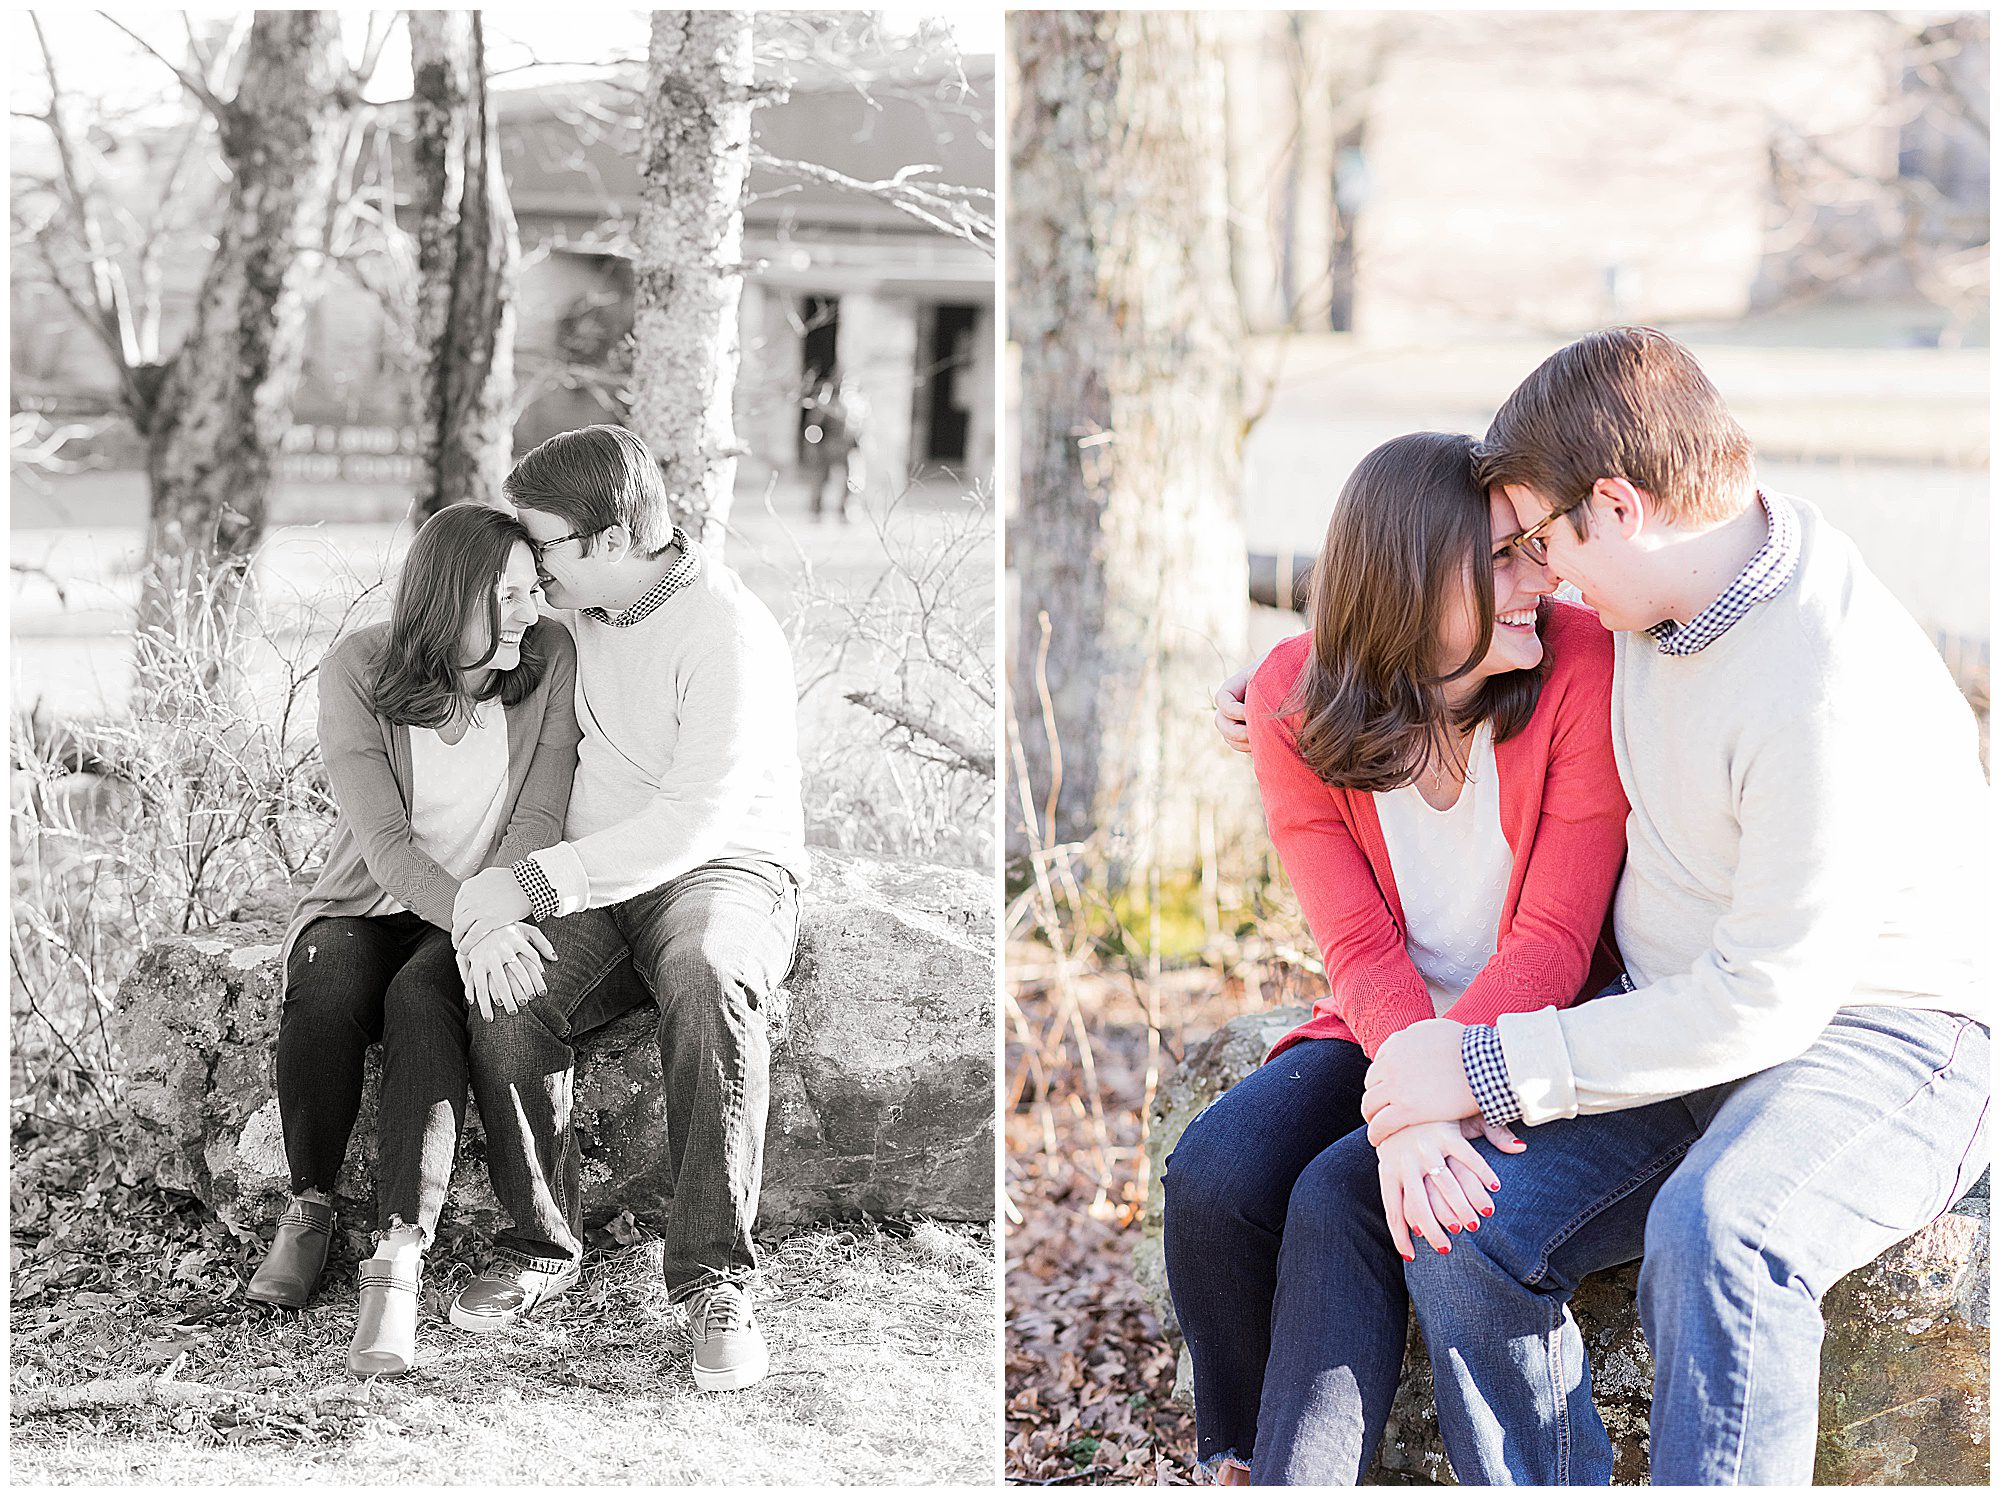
385,1334
298,1252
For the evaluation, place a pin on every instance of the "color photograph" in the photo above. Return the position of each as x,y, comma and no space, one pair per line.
1497,692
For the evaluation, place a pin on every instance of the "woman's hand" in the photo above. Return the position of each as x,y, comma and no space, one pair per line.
506,968
1232,718
1433,1182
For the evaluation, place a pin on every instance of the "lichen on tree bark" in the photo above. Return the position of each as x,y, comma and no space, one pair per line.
467,254
1129,535
225,404
688,247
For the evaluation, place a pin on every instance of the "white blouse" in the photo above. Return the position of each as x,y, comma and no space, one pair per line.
1451,869
459,794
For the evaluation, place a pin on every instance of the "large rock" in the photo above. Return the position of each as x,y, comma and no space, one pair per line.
881,1071
1904,1372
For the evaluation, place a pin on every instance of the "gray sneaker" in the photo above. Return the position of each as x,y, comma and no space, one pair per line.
513,1286
729,1350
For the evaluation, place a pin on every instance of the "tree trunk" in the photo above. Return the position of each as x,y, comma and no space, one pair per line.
1309,205
1259,138
225,405
694,155
467,253
1130,534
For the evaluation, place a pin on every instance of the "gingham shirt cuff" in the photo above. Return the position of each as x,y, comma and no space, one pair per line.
1486,1072
542,897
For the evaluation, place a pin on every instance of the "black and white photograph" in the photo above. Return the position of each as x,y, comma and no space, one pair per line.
503,791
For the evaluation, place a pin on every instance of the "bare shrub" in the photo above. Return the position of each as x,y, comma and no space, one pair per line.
206,797
896,690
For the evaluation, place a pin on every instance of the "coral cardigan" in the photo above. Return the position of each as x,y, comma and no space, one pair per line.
1561,810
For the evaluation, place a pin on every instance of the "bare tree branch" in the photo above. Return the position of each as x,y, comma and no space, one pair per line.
194,85
113,312
944,206
371,48
968,755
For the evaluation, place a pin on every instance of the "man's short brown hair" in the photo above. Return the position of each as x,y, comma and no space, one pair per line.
593,478
1627,402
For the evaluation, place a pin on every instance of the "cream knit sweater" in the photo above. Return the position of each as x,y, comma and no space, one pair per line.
690,745
1807,833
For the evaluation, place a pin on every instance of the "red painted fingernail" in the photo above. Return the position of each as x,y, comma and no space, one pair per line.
1487,1211
1452,1227
1445,1249
1408,1258
1472,1226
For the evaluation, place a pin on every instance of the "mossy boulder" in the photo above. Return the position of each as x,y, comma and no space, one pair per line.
881,1070
1904,1371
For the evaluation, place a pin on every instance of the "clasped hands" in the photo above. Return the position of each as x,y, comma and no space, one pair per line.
1420,1111
500,954
1422,1119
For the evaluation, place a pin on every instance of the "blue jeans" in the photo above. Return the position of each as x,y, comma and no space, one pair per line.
1748,1201
708,948
1287,1287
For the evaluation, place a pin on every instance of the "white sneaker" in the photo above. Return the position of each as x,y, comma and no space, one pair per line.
729,1350
513,1286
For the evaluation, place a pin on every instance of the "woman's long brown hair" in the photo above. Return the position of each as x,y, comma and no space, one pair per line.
450,575
1411,529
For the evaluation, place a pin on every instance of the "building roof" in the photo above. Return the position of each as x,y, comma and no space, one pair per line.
570,151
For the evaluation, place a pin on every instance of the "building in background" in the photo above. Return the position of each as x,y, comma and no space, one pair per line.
837,278
1415,176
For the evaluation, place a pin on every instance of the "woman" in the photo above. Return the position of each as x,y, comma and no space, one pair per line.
1435,764
449,735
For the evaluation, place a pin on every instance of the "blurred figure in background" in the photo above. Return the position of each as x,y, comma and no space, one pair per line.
834,413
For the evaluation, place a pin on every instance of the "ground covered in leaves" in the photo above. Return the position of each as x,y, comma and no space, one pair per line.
135,1357
1090,1371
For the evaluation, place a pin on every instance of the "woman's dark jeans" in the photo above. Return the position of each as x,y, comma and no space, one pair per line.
1229,1186
350,982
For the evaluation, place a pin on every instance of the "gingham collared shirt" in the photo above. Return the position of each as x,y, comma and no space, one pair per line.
1486,1072
543,901
1761,579
684,572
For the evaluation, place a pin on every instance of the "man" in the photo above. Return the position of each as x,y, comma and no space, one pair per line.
678,879
832,435
1793,1074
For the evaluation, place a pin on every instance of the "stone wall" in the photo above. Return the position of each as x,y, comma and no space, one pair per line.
882,1067
1904,1372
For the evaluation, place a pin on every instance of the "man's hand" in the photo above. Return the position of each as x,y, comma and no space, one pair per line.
1499,1134
506,968
1232,718
487,901
1433,1182
1418,1076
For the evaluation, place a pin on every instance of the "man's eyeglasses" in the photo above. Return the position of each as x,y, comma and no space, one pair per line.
1532,542
543,547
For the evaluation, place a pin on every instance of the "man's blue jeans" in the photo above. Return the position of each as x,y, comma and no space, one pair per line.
708,949
1748,1201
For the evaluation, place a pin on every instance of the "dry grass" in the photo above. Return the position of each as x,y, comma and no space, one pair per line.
882,1344
1090,1369
203,797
